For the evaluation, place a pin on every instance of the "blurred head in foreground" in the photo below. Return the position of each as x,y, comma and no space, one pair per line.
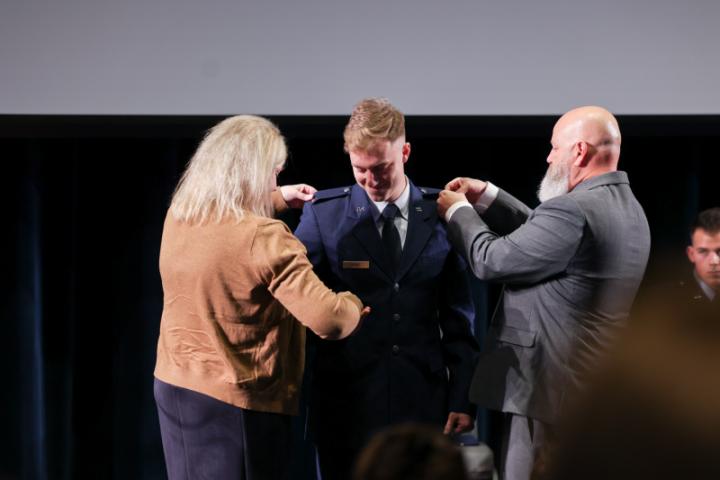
410,451
654,409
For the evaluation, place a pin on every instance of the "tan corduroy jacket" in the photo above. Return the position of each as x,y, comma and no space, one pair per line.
231,291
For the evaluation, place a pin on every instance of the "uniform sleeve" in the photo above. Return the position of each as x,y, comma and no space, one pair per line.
290,279
308,233
460,349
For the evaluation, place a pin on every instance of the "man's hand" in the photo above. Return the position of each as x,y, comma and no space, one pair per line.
458,423
296,195
446,199
471,187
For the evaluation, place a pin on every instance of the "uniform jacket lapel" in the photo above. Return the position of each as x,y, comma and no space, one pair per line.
421,223
365,230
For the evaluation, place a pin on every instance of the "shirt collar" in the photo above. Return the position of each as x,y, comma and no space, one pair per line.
609,178
402,202
707,289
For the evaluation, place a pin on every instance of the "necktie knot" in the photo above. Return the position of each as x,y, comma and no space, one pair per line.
390,211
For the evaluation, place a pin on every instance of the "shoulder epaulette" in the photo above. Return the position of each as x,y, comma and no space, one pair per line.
331,193
429,192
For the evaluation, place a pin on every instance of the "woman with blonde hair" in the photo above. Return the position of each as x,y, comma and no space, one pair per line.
230,353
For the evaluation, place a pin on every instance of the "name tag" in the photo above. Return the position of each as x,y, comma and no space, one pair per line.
356,264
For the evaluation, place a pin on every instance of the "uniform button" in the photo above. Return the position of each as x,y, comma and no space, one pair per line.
395,349
396,317
396,287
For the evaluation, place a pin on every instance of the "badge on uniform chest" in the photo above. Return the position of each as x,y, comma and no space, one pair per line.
355,264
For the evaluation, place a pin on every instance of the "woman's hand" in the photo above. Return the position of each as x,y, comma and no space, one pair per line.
296,195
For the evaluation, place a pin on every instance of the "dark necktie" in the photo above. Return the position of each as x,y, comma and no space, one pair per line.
390,235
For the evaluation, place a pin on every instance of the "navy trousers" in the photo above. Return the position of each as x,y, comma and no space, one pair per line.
204,438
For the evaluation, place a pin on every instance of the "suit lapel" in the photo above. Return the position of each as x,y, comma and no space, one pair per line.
365,230
421,222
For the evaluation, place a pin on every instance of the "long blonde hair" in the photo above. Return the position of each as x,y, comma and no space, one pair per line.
231,171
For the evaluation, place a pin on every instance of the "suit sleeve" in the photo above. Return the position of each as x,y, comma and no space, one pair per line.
460,349
289,277
506,213
541,247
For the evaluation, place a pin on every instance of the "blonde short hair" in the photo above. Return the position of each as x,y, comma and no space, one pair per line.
372,120
231,171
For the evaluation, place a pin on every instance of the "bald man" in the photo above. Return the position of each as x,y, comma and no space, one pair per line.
571,269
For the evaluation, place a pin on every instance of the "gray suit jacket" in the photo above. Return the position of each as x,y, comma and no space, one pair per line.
571,270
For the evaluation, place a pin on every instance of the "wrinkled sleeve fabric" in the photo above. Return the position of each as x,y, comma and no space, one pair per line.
505,214
535,250
285,269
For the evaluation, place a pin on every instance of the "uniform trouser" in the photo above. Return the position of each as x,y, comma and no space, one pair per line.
204,438
523,439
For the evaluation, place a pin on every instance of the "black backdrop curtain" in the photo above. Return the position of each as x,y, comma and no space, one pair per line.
85,199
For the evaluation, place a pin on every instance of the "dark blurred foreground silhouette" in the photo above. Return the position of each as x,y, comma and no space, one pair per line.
653,410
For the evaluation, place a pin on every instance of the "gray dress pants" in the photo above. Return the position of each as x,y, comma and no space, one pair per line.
523,438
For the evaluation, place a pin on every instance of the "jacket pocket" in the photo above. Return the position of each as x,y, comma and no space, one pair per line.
517,336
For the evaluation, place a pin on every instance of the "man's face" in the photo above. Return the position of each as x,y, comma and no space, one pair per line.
557,178
380,170
704,253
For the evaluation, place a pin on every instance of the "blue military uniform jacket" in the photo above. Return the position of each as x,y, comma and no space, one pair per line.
413,357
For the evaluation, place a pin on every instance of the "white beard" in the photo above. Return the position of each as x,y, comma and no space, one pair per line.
555,182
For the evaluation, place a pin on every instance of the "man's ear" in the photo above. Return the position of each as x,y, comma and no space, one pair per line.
581,152
690,253
406,151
